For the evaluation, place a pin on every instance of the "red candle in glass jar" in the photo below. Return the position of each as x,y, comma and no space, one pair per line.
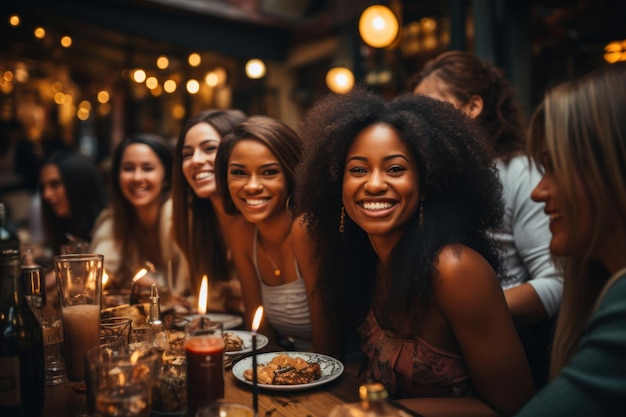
205,371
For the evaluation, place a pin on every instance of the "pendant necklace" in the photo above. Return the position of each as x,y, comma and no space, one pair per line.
276,268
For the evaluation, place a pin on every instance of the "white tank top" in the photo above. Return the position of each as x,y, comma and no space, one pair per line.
286,306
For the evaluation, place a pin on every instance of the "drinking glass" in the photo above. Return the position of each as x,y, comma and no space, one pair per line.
119,382
113,328
79,283
204,354
225,409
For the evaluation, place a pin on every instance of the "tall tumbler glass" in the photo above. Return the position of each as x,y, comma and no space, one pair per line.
79,282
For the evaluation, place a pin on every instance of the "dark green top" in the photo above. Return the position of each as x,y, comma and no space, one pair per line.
594,384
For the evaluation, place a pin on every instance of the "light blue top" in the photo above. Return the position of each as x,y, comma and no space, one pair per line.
524,237
286,306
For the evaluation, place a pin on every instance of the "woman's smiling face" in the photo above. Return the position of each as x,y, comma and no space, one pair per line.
381,188
141,175
198,155
256,181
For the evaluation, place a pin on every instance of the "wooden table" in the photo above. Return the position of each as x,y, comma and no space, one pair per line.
67,400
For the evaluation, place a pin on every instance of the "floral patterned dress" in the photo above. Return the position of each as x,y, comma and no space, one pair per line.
410,367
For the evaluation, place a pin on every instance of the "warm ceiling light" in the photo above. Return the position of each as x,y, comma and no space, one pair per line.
378,26
152,83
211,79
59,98
340,80
85,105
163,62
139,76
14,20
193,86
615,51
103,97
194,59
82,114
169,86
255,68
40,32
66,41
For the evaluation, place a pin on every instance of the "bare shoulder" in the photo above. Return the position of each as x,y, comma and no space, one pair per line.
461,272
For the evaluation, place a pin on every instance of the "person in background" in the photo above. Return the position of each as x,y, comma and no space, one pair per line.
256,166
399,197
578,138
532,285
198,213
135,230
71,196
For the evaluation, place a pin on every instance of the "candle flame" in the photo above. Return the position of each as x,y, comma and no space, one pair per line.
134,357
256,322
140,274
105,278
204,295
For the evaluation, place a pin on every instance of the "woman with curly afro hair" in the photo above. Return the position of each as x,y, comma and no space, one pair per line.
398,197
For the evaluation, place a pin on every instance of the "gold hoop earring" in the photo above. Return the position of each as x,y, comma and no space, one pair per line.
342,219
288,205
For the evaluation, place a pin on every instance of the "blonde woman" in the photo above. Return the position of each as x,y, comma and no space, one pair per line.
578,138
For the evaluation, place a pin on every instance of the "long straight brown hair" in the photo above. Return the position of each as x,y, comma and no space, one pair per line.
195,225
581,124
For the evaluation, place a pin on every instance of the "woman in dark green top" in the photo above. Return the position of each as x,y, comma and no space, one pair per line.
578,138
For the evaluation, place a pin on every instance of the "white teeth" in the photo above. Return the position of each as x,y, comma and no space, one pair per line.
204,175
555,216
377,205
256,201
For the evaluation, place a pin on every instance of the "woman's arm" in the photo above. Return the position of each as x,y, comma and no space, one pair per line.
468,294
325,336
540,297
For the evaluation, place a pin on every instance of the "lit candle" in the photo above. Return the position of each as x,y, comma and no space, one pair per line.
204,353
255,385
134,298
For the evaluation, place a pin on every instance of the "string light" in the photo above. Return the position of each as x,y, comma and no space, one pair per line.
378,26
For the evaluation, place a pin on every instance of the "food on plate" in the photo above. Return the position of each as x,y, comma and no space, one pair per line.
232,342
286,370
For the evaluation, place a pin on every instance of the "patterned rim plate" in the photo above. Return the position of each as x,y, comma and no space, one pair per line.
261,341
331,369
230,321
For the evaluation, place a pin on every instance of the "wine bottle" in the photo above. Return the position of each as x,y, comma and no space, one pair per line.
21,344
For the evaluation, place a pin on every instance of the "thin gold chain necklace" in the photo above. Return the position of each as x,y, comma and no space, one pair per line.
276,268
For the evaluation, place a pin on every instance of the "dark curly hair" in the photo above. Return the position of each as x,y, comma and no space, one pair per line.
463,75
457,177
279,138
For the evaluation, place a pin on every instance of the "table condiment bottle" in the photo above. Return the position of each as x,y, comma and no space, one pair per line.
373,404
21,344
154,319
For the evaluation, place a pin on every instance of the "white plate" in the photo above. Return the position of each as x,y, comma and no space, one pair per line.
331,369
230,321
261,341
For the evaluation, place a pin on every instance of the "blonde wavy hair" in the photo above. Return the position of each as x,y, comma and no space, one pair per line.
582,126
